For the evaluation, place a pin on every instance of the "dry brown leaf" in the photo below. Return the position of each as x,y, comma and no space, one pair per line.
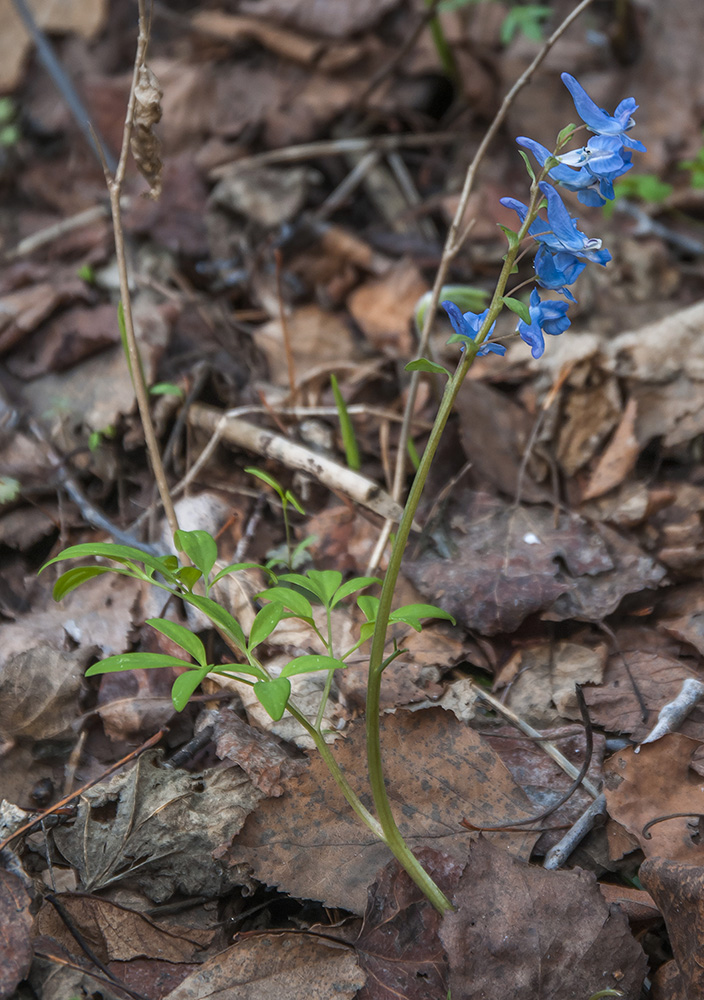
266,760
322,17
590,414
678,890
508,565
398,946
510,937
658,668
116,933
317,338
85,17
15,932
657,781
23,310
284,43
287,965
618,459
310,843
541,679
383,307
158,827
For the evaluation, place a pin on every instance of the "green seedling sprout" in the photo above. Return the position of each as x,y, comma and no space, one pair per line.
346,429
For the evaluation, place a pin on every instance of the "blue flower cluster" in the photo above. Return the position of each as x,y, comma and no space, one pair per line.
563,250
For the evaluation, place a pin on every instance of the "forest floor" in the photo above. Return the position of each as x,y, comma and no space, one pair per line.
313,154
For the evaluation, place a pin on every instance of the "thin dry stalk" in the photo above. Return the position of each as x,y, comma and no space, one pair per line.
115,183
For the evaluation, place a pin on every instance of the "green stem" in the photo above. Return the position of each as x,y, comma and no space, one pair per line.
392,834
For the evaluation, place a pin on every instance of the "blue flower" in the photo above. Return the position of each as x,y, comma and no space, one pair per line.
467,326
545,317
561,234
557,270
596,119
590,171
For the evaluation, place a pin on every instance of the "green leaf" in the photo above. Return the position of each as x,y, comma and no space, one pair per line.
423,365
299,580
327,581
291,599
265,623
200,547
266,478
235,568
290,498
310,663
74,577
510,235
564,135
220,617
189,576
9,489
466,297
182,636
135,661
166,389
411,614
518,307
367,630
273,695
184,686
352,586
369,606
529,166
119,553
349,439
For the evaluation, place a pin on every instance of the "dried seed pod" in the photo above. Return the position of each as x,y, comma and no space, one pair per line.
145,144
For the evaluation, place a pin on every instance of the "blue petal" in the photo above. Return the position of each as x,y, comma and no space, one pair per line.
592,115
456,318
561,223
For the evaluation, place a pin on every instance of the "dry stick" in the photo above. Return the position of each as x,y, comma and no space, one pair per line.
294,456
114,183
549,747
453,244
558,854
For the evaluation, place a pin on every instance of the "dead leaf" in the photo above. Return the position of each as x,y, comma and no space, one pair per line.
322,17
658,668
398,946
158,828
657,781
317,338
286,44
678,890
591,412
512,562
86,17
23,310
15,932
267,196
265,759
116,933
383,307
618,459
540,679
288,965
507,938
310,843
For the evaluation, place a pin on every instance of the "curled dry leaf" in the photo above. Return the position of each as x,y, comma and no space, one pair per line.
145,145
15,932
507,937
287,965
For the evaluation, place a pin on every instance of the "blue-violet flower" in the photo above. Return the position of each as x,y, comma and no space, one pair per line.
545,317
561,234
596,119
467,326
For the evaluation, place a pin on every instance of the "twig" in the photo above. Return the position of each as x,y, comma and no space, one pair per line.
558,854
294,456
151,742
455,239
549,747
335,147
114,182
588,749
50,233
